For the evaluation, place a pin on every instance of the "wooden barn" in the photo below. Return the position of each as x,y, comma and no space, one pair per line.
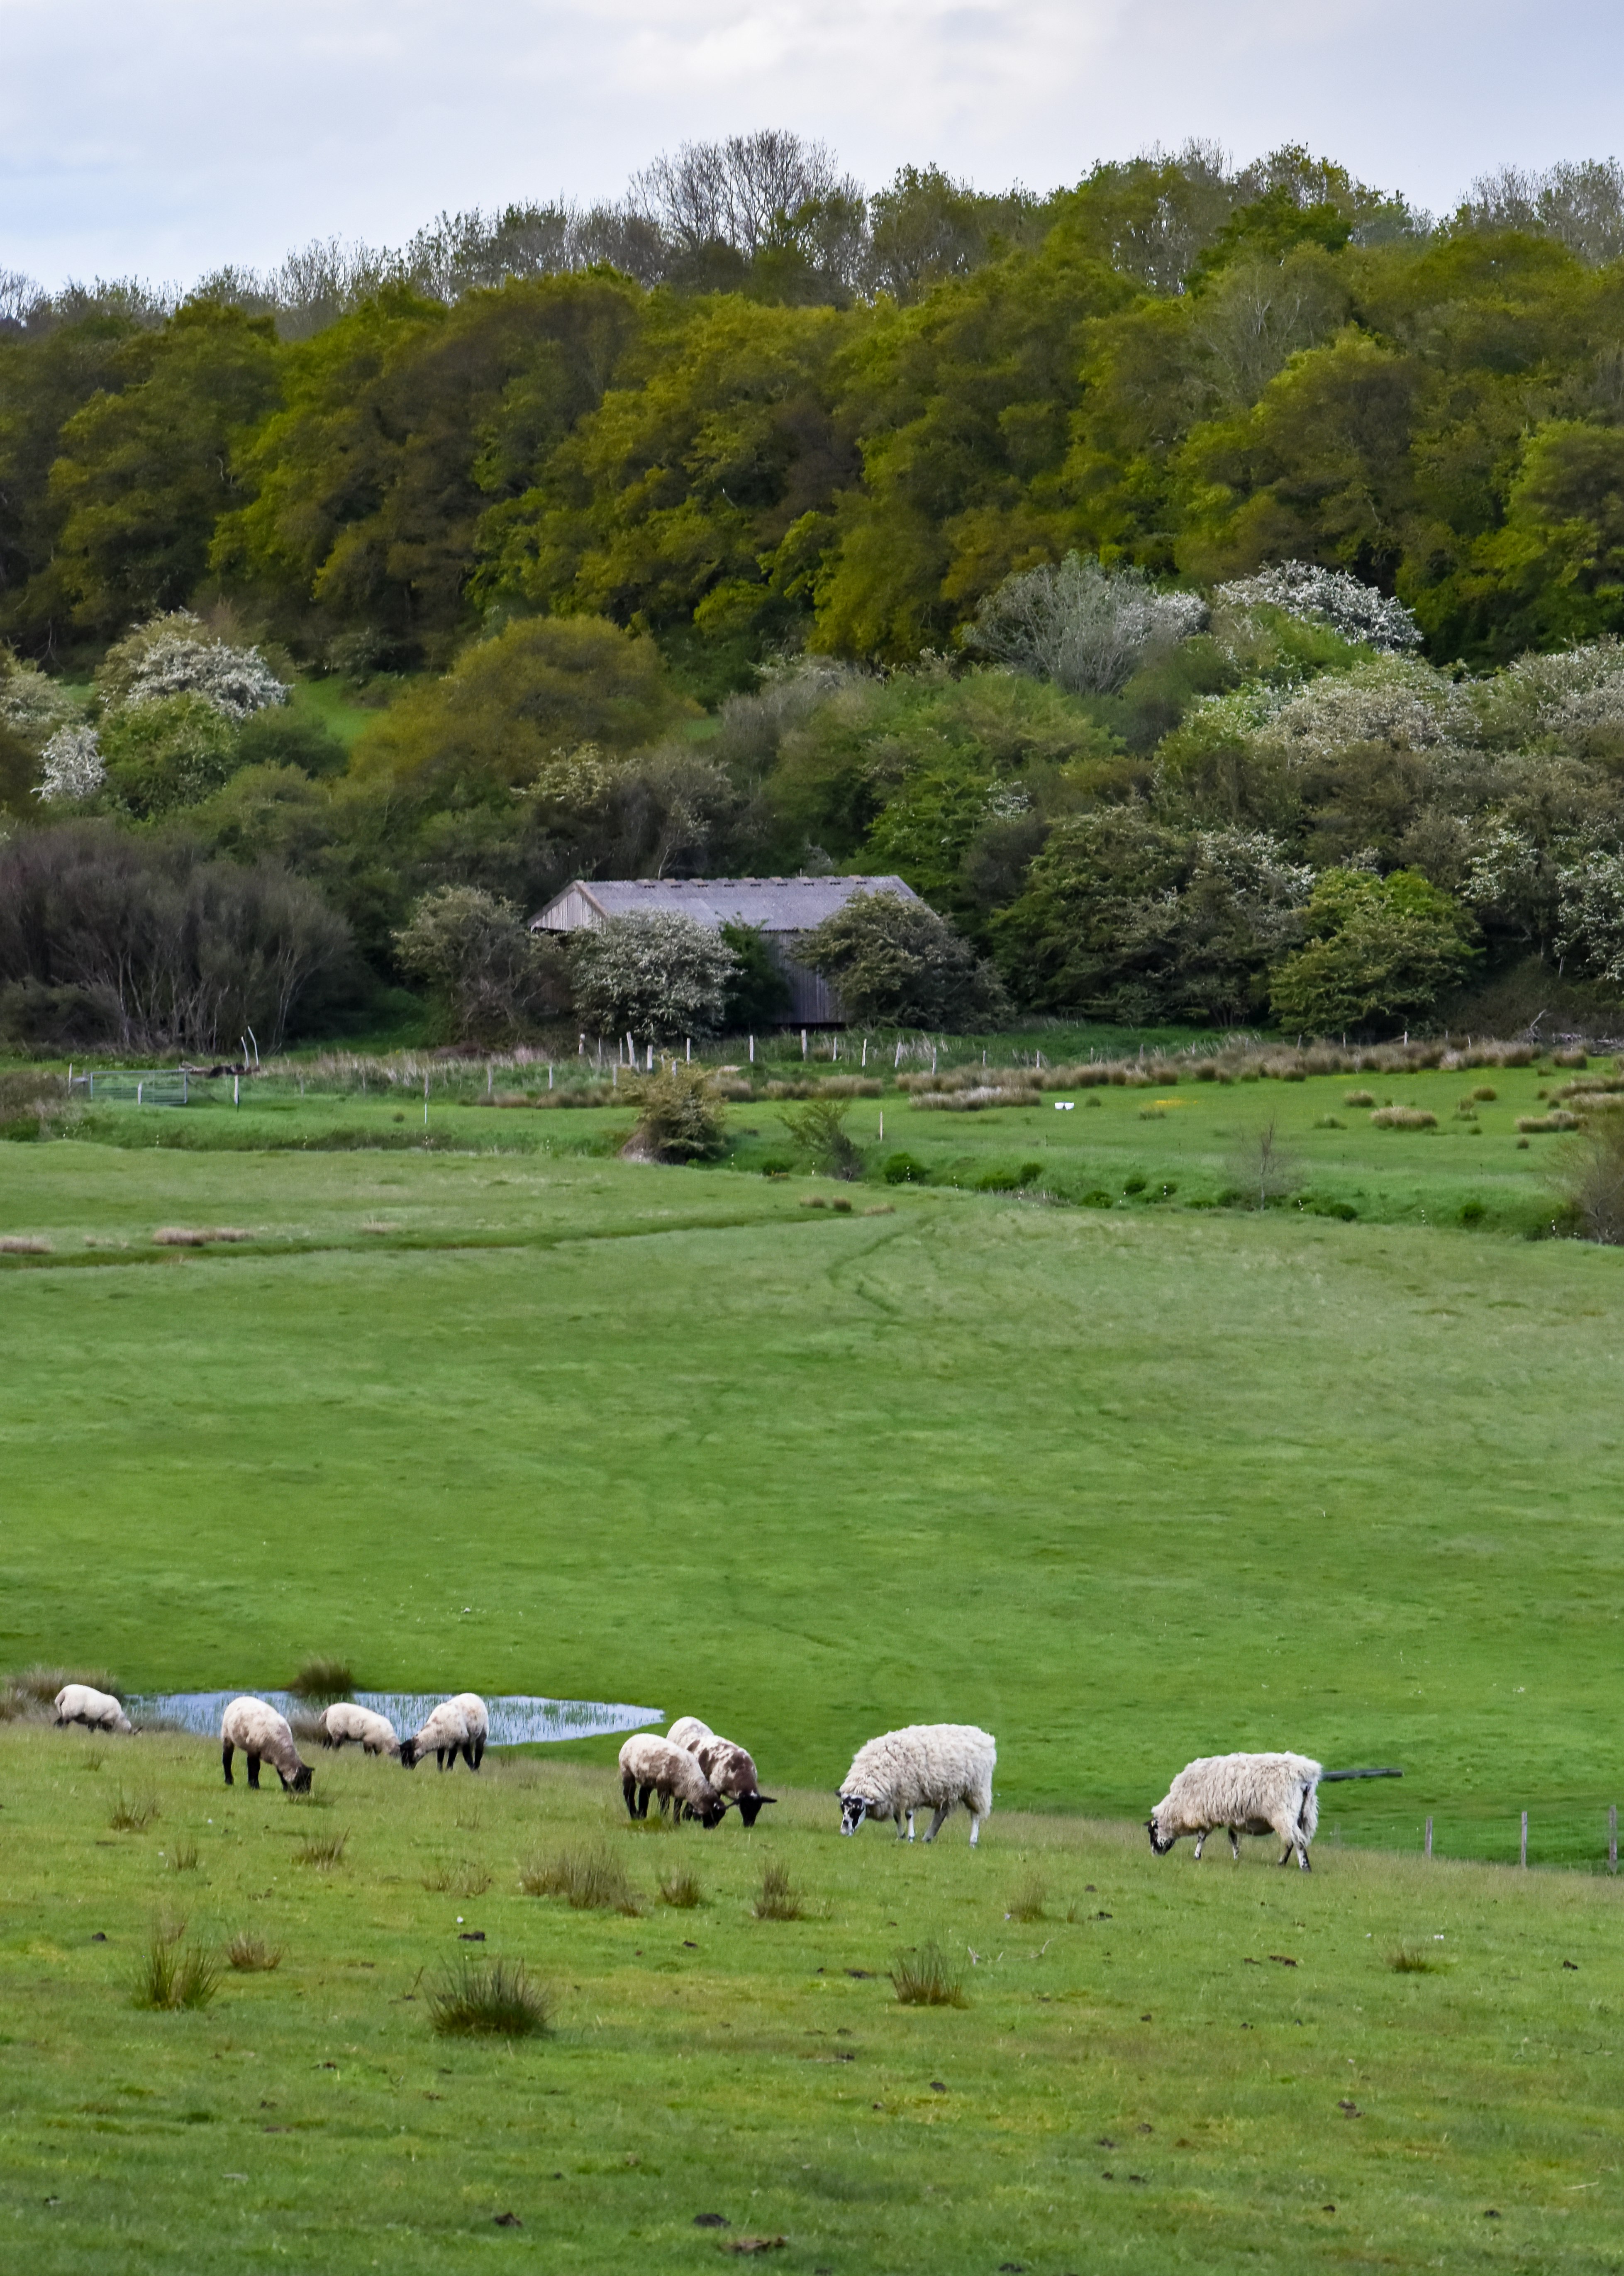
782,909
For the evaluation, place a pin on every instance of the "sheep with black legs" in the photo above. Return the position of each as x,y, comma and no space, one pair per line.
345,1724
263,1735
99,1710
653,1765
940,1764
1248,1793
730,1767
457,1726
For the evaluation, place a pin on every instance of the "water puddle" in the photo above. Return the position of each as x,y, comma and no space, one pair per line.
516,1720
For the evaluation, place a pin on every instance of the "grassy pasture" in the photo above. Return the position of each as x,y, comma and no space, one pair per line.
1165,2064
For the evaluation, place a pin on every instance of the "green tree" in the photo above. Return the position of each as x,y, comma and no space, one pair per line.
494,977
896,962
652,977
1379,949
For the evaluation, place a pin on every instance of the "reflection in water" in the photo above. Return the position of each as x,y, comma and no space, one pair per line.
515,1721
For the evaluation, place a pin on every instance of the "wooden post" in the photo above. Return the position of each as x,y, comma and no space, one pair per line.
1522,1857
549,1075
649,1068
898,1060
1613,1837
1428,1837
752,1050
865,1060
614,1079
487,1079
236,1093
882,1122
803,1043
425,1098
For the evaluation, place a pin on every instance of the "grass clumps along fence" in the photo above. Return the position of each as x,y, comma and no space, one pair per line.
777,1899
925,1977
589,1880
172,1973
490,1999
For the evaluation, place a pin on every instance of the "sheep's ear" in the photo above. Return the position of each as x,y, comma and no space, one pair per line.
766,1797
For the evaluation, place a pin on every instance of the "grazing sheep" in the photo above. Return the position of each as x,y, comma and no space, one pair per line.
457,1726
653,1765
77,1702
729,1768
1248,1793
941,1763
346,1724
259,1730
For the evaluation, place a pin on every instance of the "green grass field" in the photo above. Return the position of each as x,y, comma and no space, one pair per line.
1124,1483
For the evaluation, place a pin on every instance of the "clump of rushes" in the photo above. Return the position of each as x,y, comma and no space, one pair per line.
928,1979
589,1880
463,1880
251,1955
183,1857
776,1899
1027,1903
679,1888
173,1974
1411,1960
324,1850
133,1813
1404,1118
493,1998
325,1679
1359,1098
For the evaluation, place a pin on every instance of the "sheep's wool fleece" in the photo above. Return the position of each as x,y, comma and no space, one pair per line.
454,1723
360,1725
81,1703
730,1767
671,1770
688,1731
938,1764
1239,1790
257,1728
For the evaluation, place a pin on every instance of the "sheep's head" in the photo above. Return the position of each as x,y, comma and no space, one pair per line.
1160,1842
853,1808
709,1814
408,1754
302,1777
751,1805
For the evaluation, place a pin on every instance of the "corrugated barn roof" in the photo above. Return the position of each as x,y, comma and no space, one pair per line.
775,904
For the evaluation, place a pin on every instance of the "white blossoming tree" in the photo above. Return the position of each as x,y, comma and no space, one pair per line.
1351,608
1084,626
173,654
73,766
651,977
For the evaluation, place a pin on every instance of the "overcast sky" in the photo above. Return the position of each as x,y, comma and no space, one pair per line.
162,137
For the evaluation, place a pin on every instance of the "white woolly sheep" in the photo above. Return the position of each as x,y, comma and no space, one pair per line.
939,1763
78,1702
459,1726
653,1765
262,1732
1248,1793
730,1767
345,1723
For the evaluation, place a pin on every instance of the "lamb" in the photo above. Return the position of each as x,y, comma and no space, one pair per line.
459,1726
259,1730
345,1723
729,1767
78,1702
1248,1793
941,1763
653,1765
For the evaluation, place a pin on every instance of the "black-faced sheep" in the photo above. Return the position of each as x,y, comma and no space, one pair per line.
730,1767
939,1763
344,1724
459,1726
99,1710
653,1765
261,1733
1248,1793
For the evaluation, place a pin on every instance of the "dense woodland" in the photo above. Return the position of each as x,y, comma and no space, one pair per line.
756,524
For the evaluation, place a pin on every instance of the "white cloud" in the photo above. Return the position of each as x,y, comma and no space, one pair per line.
163,136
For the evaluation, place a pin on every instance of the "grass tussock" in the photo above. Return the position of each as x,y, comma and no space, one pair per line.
23,1244
1029,1897
777,1899
1404,1118
1414,1959
133,1813
679,1888
323,1679
495,1998
251,1955
322,1850
182,1857
197,1236
172,1973
458,1880
927,1978
589,1880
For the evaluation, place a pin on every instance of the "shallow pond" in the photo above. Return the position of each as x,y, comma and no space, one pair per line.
516,1720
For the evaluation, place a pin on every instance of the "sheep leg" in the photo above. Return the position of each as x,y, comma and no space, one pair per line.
1200,1837
643,1791
1234,1842
478,1755
253,1769
937,1822
910,1824
225,1760
975,1828
628,1787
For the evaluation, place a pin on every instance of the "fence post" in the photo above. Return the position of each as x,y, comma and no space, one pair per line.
882,1122
1428,1837
425,1098
865,1056
1613,1837
752,1050
549,1075
236,1091
1523,1855
138,1093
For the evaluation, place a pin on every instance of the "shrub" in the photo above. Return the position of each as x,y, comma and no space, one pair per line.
323,1680
817,1132
652,976
34,1105
997,1180
1595,1184
173,654
896,962
680,1118
1027,1903
927,1978
904,1170
1486,1093
1354,610
494,977
1096,1197
679,1888
172,1974
1472,1212
1404,1118
494,1998
1262,1168
323,1850
776,1899
1085,627
757,993
588,1881
1379,949
1135,1183
251,1955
